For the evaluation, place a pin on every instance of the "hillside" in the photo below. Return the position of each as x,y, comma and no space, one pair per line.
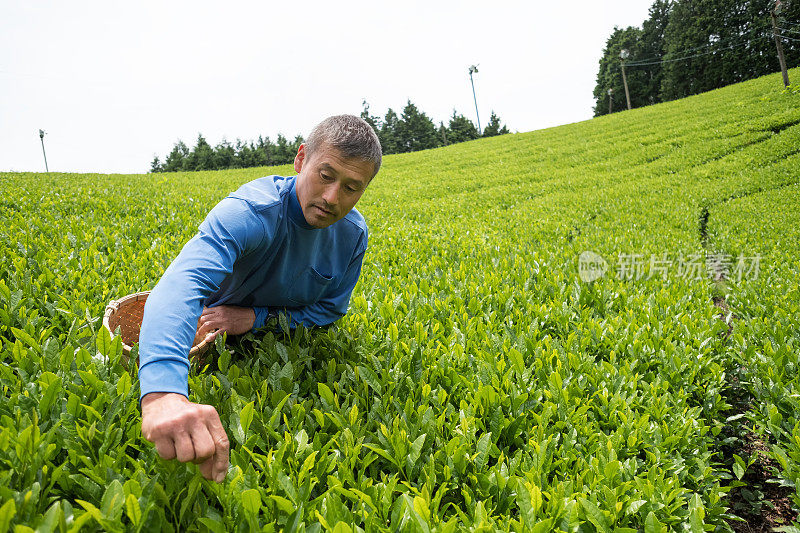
477,381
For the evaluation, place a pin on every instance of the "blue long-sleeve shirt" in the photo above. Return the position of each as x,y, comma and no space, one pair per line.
254,249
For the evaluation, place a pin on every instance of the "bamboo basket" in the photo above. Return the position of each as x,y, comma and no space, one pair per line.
127,313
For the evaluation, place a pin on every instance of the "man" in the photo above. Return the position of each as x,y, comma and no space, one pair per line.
292,245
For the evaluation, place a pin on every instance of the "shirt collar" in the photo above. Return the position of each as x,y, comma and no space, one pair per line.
295,211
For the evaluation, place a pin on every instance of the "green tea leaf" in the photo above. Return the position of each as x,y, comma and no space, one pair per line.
696,514
103,341
325,393
416,449
543,526
283,504
113,501
294,521
525,502
133,510
342,527
246,416
52,391
516,360
382,453
484,444
739,467
7,512
595,515
652,524
251,501
26,338
214,525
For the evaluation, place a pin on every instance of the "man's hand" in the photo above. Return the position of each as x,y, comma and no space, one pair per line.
186,431
229,318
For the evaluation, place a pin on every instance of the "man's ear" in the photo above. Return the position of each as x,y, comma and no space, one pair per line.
300,158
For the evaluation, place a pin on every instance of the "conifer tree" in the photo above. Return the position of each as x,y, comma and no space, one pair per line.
415,131
443,134
201,157
461,129
652,45
494,127
263,151
282,150
176,157
388,133
224,155
370,119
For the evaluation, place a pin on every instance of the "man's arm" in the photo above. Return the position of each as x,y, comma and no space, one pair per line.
181,429
174,306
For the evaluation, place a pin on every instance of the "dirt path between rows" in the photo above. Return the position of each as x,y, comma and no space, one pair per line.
761,502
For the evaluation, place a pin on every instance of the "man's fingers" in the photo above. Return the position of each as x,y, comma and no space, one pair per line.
207,326
165,448
203,444
206,468
184,450
221,445
220,467
209,312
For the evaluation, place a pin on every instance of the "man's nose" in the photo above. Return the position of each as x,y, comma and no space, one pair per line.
331,194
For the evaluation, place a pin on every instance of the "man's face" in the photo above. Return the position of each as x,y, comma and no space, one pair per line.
329,184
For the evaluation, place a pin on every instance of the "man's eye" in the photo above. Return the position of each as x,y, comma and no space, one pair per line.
326,177
351,188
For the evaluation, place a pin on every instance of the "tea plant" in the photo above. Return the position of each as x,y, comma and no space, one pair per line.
476,383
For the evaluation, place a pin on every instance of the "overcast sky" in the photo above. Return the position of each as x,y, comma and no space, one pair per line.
114,83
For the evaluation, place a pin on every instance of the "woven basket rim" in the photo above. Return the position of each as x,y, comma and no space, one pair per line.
114,306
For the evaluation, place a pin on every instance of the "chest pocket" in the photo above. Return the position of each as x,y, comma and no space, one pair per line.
308,287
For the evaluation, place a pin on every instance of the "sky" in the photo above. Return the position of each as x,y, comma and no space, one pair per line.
114,84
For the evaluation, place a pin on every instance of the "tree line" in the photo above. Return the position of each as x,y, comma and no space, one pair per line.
410,131
242,154
413,130
687,47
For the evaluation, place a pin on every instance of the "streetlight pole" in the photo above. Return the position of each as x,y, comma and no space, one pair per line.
41,137
623,56
474,68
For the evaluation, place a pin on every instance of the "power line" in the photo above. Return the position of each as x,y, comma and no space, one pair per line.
790,23
660,58
642,64
789,30
789,38
657,61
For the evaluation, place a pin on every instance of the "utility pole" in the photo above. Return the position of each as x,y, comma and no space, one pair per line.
474,68
610,100
41,137
775,11
623,56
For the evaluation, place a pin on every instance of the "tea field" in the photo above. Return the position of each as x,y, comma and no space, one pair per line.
478,383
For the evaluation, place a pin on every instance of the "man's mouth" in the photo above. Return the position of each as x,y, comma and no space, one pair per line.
324,211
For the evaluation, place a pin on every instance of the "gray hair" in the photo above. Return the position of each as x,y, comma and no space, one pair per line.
351,135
